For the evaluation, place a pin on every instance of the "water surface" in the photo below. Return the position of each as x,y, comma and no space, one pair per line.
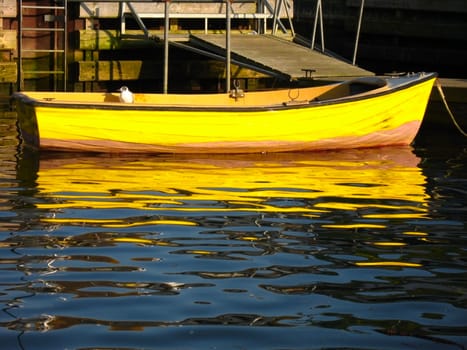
362,249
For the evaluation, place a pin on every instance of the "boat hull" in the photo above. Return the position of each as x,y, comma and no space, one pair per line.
390,116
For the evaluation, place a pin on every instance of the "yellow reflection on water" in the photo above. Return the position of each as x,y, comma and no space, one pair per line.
388,264
307,183
353,226
415,233
114,223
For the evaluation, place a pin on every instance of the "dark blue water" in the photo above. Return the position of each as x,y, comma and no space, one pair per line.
360,249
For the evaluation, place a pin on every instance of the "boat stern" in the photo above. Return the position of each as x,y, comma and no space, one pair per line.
26,120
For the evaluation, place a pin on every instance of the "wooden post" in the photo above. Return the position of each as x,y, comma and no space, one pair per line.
166,45
19,75
227,46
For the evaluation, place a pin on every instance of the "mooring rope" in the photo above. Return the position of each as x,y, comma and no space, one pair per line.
440,90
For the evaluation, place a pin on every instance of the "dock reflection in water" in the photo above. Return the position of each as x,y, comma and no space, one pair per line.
302,251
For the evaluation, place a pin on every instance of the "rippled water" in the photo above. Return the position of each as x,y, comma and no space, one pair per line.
359,249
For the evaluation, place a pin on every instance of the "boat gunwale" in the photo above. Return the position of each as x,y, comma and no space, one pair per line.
417,78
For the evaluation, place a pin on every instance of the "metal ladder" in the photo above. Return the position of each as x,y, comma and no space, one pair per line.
54,20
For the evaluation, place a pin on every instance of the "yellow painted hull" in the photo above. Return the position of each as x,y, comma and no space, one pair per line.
289,120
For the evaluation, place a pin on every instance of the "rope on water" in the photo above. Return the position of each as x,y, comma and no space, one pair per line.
441,93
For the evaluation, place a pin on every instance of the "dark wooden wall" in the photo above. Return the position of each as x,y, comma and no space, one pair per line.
396,35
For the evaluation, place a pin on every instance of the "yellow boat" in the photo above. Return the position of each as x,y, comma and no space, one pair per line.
364,112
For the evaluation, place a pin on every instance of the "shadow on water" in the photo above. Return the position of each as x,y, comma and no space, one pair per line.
361,249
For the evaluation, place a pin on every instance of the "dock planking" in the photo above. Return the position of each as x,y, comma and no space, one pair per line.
292,60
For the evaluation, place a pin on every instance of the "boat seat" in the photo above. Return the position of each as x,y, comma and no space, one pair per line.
352,87
365,84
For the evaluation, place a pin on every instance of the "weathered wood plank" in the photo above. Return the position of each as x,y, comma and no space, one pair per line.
8,72
147,70
421,55
420,28
8,39
8,8
112,40
280,55
111,10
108,39
455,90
417,5
116,70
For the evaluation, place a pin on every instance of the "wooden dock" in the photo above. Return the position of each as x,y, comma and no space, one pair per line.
97,55
288,59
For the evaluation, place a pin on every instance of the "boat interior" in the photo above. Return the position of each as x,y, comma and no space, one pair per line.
236,98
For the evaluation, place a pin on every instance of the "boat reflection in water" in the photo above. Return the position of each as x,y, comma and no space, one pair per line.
170,189
318,246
